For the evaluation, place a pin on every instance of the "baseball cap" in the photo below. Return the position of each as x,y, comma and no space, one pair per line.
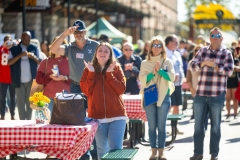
104,38
81,25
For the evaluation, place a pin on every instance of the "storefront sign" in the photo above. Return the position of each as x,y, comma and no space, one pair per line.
31,6
218,21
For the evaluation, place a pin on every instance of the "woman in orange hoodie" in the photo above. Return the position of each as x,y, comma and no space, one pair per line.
103,82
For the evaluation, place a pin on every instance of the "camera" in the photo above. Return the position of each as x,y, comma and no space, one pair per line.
9,43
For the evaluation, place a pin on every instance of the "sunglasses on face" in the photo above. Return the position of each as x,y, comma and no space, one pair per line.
128,50
8,43
78,32
216,36
156,46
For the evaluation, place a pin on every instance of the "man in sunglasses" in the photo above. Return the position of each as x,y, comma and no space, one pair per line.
82,49
215,64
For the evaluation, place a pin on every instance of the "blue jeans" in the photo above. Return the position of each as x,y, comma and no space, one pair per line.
76,89
157,118
110,136
202,106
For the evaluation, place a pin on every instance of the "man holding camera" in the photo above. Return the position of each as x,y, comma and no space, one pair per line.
5,79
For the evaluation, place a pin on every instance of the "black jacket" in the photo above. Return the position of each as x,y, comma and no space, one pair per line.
131,76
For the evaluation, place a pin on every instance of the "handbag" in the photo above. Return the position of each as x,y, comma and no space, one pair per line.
68,109
151,93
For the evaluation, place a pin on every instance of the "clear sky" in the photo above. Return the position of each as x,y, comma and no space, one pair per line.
232,6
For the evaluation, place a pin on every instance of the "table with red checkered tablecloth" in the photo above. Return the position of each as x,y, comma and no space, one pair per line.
65,142
133,107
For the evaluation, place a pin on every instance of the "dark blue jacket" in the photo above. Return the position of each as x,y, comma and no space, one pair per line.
131,76
16,67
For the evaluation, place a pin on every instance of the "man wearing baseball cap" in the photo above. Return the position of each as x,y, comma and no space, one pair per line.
82,49
105,38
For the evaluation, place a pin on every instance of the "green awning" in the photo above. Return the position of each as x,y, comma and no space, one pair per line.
104,27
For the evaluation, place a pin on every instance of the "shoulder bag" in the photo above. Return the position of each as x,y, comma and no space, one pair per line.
68,109
151,93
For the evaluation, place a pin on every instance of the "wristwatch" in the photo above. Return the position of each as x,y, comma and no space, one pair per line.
214,65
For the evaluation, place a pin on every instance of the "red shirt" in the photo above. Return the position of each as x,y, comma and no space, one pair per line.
5,71
52,87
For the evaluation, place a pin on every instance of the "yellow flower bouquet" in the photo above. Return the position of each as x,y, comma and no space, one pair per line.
39,102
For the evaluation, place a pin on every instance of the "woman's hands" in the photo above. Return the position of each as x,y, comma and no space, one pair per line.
58,78
156,67
111,67
89,66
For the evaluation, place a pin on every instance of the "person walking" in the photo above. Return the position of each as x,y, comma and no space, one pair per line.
104,75
158,69
81,49
215,64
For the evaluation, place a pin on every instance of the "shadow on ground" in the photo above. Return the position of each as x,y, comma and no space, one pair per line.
234,140
184,140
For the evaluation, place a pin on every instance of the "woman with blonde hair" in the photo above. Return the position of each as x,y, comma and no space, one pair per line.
157,69
101,79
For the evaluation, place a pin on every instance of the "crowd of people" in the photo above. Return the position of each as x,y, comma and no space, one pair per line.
101,70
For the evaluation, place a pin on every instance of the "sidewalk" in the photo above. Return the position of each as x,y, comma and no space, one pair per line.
182,148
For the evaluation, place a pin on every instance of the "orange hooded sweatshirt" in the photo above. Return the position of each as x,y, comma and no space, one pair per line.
104,93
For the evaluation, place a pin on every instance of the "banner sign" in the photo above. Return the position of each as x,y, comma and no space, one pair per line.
31,6
218,21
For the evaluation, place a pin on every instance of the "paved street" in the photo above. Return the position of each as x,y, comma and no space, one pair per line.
182,148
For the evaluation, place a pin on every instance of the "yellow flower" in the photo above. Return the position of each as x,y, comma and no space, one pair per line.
39,99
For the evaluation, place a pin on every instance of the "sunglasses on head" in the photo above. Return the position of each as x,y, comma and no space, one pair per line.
216,36
156,46
78,32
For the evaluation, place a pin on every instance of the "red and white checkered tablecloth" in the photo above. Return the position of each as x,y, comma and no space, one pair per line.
133,107
65,142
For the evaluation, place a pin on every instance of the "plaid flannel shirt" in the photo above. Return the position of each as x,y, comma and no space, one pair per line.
211,82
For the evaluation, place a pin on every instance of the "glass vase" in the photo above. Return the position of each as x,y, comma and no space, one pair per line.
40,116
